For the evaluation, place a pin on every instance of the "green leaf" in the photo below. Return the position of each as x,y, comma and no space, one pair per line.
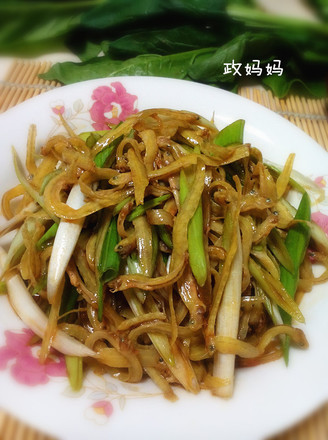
127,13
165,41
186,39
281,86
90,50
34,27
169,66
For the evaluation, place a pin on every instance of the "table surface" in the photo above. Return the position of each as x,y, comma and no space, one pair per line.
19,81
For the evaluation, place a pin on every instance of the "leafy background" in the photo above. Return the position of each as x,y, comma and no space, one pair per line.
189,39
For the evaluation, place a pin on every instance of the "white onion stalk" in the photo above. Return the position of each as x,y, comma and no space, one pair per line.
32,316
65,241
228,322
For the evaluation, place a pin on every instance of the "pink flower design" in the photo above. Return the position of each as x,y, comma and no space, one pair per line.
112,105
321,219
58,109
24,366
320,181
100,411
103,407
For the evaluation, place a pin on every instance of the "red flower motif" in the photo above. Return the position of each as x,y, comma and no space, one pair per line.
112,105
25,367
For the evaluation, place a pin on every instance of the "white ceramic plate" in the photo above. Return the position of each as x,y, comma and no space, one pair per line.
267,398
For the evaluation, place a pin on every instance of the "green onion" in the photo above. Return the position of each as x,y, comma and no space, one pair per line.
47,236
74,366
133,267
231,134
109,262
164,235
165,258
296,242
101,158
141,209
161,342
40,285
120,205
47,179
133,263
228,318
91,137
277,246
275,290
197,258
69,298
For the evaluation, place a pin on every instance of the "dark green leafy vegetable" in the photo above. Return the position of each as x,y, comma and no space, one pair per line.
175,66
109,36
119,13
164,41
296,242
34,27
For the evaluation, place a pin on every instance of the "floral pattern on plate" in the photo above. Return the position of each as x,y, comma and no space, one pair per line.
21,357
109,104
112,105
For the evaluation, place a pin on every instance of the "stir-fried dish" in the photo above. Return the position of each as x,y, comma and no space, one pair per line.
161,248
